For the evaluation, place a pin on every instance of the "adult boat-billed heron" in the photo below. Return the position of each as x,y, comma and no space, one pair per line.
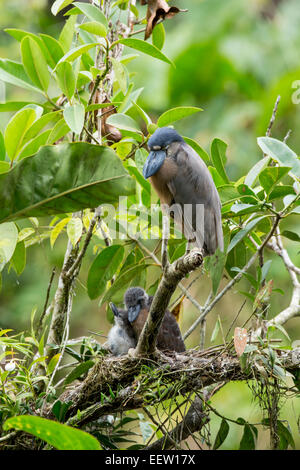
185,188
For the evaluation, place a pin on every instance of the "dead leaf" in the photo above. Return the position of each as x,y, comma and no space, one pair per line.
111,133
176,310
240,340
158,10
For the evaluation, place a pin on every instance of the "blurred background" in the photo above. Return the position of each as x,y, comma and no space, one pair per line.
233,58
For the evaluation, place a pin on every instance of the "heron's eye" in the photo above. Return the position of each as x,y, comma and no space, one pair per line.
156,147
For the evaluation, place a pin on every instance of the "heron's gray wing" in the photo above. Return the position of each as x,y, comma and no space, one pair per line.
193,185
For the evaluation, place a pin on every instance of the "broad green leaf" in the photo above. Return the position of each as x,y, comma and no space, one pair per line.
40,123
74,230
52,364
291,235
201,152
60,129
92,12
218,151
242,233
57,230
123,281
10,106
216,330
4,167
74,117
271,175
281,153
54,49
14,73
158,36
94,27
8,242
222,434
34,145
78,371
248,438
216,266
71,55
255,171
67,34
280,191
175,114
142,113
16,130
35,63
122,121
103,269
58,435
59,5
120,74
2,147
66,79
145,47
19,34
63,178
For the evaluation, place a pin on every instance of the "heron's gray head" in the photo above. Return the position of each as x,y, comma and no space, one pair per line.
135,299
158,144
163,137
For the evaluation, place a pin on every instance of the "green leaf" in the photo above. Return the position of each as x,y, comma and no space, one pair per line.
11,106
58,435
78,371
120,74
145,47
14,73
270,176
8,241
103,269
248,438
74,230
92,12
281,153
2,147
201,152
255,171
71,55
216,264
242,233
63,178
222,434
74,117
59,5
34,145
40,123
280,191
158,36
218,151
142,113
60,129
4,167
16,130
57,229
94,27
122,121
216,330
291,235
35,63
52,364
67,34
54,50
175,114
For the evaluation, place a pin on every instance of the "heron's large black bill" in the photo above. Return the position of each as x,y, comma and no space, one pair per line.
133,312
153,163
